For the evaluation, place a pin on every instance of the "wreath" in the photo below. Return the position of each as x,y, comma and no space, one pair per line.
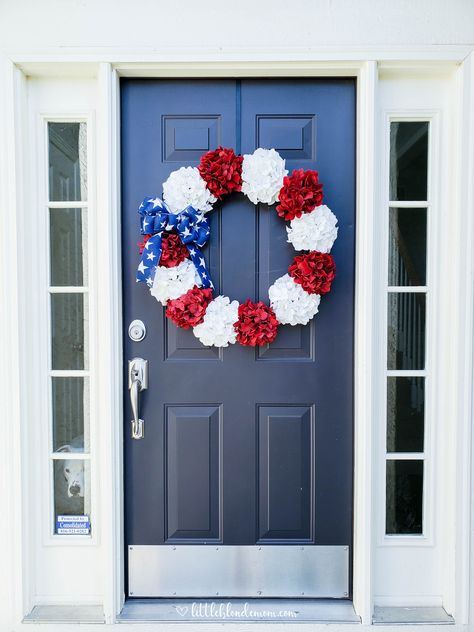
175,229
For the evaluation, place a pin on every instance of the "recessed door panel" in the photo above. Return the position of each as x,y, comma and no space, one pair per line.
193,472
286,479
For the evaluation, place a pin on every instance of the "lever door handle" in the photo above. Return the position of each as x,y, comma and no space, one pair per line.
137,382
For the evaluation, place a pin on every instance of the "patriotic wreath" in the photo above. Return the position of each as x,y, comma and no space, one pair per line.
175,229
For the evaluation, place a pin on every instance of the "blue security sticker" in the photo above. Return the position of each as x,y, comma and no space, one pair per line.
73,525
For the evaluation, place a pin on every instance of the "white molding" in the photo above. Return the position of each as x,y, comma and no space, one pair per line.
364,323
109,283
155,54
14,580
462,547
228,62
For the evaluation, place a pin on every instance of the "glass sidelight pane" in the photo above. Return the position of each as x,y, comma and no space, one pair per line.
409,160
70,414
405,414
406,330
404,497
72,496
67,161
407,253
68,246
69,331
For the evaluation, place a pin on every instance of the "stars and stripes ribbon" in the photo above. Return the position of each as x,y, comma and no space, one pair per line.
191,226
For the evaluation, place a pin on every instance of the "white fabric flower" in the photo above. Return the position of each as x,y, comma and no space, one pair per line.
262,175
185,187
314,231
292,305
217,328
170,283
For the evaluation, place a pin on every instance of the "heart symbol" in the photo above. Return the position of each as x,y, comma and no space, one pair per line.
181,610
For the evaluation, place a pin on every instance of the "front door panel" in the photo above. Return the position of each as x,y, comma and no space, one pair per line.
243,448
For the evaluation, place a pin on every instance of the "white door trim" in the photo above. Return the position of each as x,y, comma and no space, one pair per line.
366,74
111,363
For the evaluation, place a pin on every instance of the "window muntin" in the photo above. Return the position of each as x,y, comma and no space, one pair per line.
407,289
67,208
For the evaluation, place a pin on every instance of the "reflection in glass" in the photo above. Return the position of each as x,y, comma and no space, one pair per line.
404,497
72,488
70,414
406,330
409,160
68,246
67,161
407,256
405,414
69,331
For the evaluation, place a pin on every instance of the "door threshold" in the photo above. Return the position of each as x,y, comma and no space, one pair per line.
220,610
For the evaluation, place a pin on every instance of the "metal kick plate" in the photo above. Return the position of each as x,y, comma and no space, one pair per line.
238,571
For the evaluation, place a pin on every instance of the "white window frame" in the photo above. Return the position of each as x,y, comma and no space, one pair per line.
426,538
17,588
50,538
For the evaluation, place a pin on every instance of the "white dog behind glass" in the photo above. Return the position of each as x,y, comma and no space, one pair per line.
73,469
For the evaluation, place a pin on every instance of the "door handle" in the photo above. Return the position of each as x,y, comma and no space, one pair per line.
137,382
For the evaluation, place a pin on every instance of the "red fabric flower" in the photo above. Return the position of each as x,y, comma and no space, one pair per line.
141,244
222,171
188,310
301,193
173,251
314,271
257,324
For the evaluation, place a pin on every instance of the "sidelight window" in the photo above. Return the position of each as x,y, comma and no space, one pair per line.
407,287
67,206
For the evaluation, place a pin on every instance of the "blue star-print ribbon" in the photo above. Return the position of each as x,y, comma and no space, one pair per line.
191,226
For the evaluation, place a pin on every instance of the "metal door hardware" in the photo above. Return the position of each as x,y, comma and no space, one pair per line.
137,382
137,330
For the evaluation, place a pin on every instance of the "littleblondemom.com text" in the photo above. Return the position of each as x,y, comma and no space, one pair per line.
229,610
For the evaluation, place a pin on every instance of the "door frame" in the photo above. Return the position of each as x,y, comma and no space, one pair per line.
14,70
365,75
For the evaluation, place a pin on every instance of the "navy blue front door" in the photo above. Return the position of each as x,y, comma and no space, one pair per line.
241,446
